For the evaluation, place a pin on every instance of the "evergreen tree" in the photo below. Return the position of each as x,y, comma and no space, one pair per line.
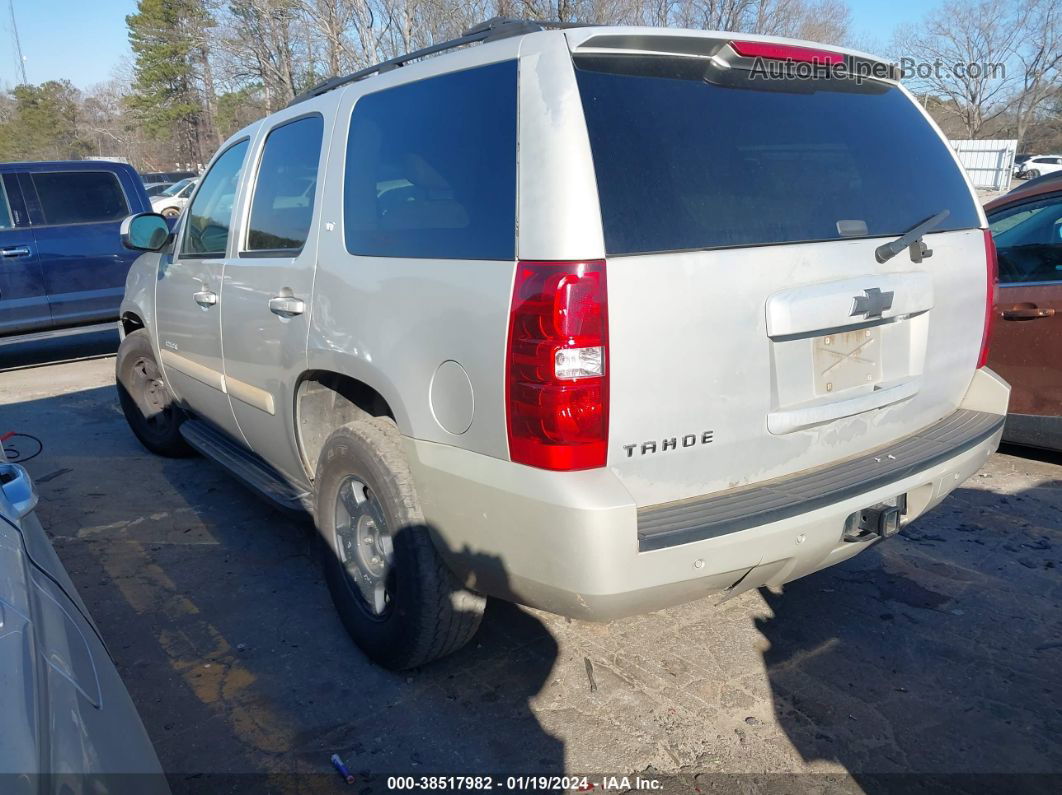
41,123
166,36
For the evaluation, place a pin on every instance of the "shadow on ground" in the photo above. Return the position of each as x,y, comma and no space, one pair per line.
871,663
221,625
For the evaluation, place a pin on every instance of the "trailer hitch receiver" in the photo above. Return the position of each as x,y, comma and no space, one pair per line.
878,521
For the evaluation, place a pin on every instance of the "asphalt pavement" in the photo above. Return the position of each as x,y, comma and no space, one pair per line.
933,654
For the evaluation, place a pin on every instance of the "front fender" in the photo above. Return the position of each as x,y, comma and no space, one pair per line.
139,298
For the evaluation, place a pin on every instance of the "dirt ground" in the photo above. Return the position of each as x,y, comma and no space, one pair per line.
935,653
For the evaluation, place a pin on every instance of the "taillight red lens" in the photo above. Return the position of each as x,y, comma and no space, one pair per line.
992,271
557,365
785,52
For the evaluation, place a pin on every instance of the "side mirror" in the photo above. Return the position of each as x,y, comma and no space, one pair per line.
146,232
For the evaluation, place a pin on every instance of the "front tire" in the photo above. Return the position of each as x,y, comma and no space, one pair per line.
148,406
395,595
171,212
1032,174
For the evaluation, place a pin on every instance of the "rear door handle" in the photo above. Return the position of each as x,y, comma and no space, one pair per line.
205,298
1032,313
14,252
286,305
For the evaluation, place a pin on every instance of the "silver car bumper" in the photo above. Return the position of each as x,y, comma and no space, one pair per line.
574,543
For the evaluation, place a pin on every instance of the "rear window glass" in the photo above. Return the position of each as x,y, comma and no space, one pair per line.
431,168
685,164
79,197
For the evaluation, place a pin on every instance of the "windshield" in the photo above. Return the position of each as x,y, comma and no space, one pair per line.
176,188
683,163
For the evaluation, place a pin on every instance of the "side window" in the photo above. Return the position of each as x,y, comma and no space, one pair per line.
282,207
206,231
1029,241
80,197
431,168
6,219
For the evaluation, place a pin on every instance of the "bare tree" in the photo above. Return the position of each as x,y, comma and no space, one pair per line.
992,65
261,42
960,54
331,20
1039,58
819,20
826,21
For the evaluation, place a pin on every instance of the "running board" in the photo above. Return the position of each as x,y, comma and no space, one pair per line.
247,467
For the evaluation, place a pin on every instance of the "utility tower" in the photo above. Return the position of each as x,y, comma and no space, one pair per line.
18,44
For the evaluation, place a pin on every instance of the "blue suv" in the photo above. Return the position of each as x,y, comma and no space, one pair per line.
62,265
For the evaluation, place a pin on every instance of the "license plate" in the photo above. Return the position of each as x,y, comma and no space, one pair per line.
847,360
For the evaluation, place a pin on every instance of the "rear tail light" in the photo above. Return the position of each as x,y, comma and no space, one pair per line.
992,271
556,385
786,52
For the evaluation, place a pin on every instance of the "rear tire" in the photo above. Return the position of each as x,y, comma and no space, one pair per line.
149,408
395,595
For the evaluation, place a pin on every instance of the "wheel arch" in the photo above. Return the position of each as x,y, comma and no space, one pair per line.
326,399
129,322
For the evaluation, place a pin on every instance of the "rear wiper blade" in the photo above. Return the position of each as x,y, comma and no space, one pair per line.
887,251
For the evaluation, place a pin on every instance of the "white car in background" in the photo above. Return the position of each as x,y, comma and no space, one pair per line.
172,200
1041,164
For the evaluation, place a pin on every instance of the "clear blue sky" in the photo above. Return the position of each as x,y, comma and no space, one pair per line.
83,40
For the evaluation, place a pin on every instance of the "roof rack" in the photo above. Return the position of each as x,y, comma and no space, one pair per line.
491,30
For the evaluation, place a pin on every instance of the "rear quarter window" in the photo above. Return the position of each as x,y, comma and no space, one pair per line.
683,163
80,197
431,168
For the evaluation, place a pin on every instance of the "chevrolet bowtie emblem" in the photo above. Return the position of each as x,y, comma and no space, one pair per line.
871,304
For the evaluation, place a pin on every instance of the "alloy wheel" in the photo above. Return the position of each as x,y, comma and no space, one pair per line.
364,545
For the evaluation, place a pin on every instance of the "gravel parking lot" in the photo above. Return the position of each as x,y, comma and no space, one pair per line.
935,653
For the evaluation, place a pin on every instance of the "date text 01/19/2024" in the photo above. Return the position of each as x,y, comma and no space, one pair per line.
522,783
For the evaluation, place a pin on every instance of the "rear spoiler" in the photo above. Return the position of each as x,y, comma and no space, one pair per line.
733,51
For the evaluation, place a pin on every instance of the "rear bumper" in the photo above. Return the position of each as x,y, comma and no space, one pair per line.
685,521
575,544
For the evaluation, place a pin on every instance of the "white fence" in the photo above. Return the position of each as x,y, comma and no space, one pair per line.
990,164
